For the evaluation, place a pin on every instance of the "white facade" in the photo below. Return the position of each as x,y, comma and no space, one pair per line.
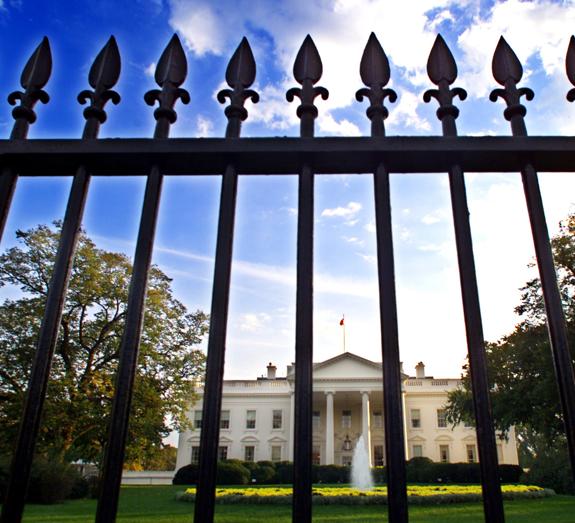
257,417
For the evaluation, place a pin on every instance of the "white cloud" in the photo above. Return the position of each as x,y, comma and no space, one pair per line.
350,210
370,227
150,70
204,127
329,125
253,322
405,113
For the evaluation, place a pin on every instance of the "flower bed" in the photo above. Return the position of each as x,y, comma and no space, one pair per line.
417,494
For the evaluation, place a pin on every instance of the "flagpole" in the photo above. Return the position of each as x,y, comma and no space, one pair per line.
342,323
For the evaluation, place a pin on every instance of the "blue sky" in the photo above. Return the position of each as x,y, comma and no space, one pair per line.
262,307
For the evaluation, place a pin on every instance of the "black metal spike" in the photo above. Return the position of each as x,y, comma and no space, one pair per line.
171,72
34,77
375,73
38,69
172,66
441,64
307,65
374,65
240,74
507,71
241,70
506,66
103,75
570,67
105,70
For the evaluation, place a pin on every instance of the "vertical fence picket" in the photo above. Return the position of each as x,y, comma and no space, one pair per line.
507,71
240,75
442,71
374,71
307,72
170,74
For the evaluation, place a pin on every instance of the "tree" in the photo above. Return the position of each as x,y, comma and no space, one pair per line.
81,386
523,387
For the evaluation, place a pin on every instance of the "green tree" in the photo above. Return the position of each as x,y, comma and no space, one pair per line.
81,386
523,387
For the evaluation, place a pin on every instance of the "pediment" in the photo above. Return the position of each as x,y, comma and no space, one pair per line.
250,439
349,366
416,439
277,439
444,437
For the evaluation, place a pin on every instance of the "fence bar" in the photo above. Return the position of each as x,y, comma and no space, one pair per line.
392,396
442,71
302,469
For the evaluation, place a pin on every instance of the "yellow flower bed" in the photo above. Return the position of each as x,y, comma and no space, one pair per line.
378,495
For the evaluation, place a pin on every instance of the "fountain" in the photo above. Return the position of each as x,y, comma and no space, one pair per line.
360,468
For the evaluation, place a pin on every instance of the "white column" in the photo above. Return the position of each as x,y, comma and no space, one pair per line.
329,435
291,425
365,423
405,417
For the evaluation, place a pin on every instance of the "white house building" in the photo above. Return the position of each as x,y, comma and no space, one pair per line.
257,417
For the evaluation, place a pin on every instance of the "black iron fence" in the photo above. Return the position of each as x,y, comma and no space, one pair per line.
304,156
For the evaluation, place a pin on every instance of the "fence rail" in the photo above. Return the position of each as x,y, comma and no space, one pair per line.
306,156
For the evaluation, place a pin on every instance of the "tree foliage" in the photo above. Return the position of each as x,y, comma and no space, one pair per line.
523,386
81,384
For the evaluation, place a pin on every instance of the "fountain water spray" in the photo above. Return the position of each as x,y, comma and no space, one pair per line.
360,467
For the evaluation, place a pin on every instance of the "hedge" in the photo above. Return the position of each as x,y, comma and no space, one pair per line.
419,470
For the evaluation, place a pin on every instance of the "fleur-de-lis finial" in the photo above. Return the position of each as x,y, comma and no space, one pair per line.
374,72
171,72
570,66
104,74
507,71
240,74
442,71
34,77
307,71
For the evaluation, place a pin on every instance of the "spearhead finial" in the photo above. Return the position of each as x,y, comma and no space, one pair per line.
171,72
374,72
570,67
103,75
307,71
507,71
34,77
240,74
442,71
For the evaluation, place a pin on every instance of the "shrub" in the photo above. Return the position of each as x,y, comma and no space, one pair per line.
264,472
510,473
80,488
551,470
230,473
4,471
186,475
331,474
50,482
284,472
379,475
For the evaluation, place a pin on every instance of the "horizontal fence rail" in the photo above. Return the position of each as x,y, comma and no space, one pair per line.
307,156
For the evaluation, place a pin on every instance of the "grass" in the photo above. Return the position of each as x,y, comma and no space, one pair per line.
158,505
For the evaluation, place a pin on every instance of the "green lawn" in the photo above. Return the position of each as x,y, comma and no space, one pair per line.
157,504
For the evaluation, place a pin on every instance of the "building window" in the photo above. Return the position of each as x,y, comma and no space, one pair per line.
471,455
378,455
197,419
316,421
276,453
195,454
441,419
222,453
277,419
316,455
417,451
377,419
415,418
444,453
249,453
500,453
346,460
346,419
225,419
250,420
